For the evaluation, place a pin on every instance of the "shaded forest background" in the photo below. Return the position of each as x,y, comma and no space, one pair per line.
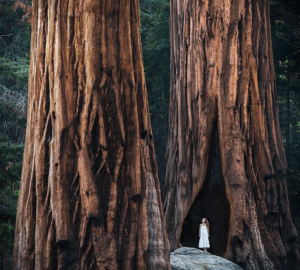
14,67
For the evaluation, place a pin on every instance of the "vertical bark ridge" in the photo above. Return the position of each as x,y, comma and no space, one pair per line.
90,193
222,68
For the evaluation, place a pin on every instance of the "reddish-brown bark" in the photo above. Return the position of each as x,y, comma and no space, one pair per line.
90,195
225,155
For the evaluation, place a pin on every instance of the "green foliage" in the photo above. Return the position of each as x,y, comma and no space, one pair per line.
155,40
10,163
156,55
285,18
6,236
14,73
14,68
8,200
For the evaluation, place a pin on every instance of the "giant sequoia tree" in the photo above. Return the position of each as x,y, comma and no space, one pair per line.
225,155
90,196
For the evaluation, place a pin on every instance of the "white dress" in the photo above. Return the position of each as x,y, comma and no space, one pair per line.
203,233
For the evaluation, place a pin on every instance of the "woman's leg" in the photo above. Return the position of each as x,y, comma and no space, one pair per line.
205,250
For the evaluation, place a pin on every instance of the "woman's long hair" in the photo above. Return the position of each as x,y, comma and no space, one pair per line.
206,223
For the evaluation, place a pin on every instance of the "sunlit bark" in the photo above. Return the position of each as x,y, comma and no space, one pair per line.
90,195
225,155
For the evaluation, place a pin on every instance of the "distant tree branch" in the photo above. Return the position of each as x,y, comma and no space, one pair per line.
9,97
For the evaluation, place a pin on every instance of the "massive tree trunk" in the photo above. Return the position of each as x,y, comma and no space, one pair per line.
225,155
90,195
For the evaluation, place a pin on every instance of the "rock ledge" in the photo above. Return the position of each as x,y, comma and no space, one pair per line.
195,259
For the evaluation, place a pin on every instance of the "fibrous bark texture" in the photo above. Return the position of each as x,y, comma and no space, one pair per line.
90,195
225,155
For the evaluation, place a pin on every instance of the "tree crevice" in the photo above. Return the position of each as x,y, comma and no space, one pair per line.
211,203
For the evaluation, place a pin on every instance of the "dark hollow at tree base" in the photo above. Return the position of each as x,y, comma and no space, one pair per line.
211,203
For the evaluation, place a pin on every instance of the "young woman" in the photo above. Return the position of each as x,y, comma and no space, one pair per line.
204,234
